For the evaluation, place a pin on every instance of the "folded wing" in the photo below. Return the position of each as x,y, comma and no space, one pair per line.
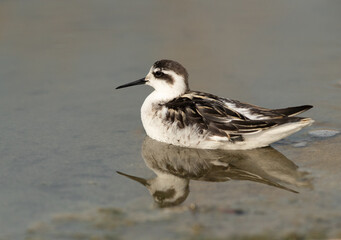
226,118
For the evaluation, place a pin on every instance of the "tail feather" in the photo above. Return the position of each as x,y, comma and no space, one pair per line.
293,111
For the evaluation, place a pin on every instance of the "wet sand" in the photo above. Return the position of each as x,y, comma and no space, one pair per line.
65,131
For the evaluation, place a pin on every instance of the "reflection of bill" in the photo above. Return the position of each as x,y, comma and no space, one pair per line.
176,166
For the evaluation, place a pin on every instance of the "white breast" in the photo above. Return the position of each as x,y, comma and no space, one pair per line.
153,119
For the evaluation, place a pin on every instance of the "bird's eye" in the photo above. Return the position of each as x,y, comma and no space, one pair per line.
158,74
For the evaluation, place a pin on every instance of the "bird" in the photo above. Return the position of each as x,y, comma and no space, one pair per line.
176,115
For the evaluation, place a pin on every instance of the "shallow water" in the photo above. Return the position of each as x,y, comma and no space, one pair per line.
65,131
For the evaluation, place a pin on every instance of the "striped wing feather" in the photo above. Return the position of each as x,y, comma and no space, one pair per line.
257,111
212,114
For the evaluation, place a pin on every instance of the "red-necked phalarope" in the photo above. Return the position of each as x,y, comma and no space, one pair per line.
176,115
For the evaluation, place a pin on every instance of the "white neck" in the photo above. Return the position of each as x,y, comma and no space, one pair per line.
163,96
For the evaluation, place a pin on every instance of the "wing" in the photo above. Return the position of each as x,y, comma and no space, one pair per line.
212,114
293,111
252,111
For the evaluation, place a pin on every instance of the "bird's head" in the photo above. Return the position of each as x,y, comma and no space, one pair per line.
166,77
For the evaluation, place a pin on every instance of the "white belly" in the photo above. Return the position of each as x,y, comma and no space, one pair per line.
161,130
157,128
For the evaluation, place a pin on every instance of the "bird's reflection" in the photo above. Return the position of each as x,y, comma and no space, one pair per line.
175,166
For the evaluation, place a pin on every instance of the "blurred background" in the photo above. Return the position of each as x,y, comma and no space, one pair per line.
65,130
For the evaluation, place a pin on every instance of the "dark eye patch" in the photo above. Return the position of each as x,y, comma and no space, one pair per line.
162,76
158,74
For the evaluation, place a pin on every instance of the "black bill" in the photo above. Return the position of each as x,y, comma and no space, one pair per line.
137,82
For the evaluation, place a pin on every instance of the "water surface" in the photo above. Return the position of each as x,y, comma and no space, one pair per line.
65,131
